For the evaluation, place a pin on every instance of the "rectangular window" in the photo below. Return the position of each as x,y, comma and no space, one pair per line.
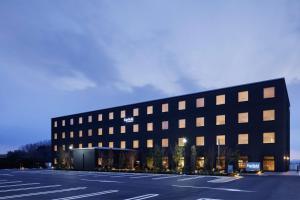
111,144
242,162
243,138
200,141
123,129
80,145
243,117
55,148
269,163
63,135
100,132
55,136
200,102
181,142
99,117
220,120
90,145
135,144
135,128
111,130
200,162
220,140
71,134
80,133
72,121
63,147
164,125
220,99
165,107
90,132
199,121
63,122
150,126
90,119
181,123
149,110
55,123
100,144
150,143
80,120
55,161
269,138
243,96
181,105
123,114
269,92
135,112
268,115
123,144
111,115
165,142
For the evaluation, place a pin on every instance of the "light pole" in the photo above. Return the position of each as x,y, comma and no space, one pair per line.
218,161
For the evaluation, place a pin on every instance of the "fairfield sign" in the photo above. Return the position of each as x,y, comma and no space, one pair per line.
128,119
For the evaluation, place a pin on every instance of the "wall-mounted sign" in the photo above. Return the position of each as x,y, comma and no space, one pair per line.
128,119
253,166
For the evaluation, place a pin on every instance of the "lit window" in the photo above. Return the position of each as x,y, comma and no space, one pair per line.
243,96
80,145
150,143
269,138
149,110
90,119
200,141
55,136
149,126
269,115
111,115
165,125
99,117
181,123
80,133
111,144
200,102
243,117
220,140
72,121
165,107
55,161
55,148
220,99
100,144
199,121
181,105
135,112
165,142
90,145
181,142
123,129
71,134
100,132
220,120
80,120
135,144
200,162
63,147
123,114
63,122
111,130
55,123
123,144
63,135
135,128
269,92
90,132
269,163
243,139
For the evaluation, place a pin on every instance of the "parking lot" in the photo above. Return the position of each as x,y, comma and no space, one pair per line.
67,185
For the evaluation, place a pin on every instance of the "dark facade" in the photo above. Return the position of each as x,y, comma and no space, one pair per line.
250,123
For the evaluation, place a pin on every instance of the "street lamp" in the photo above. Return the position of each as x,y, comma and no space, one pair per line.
184,141
71,147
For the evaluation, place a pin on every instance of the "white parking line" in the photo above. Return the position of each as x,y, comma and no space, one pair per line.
208,199
42,193
101,181
224,179
190,178
146,196
212,188
1,183
17,185
165,177
87,195
6,175
29,188
145,176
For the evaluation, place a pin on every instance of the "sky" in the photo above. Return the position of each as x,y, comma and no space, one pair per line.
64,57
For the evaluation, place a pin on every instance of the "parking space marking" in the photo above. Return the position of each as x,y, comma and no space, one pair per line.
146,196
29,188
101,181
166,177
87,195
17,185
224,179
191,178
208,199
145,176
6,175
212,188
42,193
7,182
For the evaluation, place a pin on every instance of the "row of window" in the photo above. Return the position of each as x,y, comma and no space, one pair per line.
243,96
268,138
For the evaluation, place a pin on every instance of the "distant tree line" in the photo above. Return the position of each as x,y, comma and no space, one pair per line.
34,155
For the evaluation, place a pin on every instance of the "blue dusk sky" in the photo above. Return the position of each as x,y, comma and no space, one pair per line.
60,57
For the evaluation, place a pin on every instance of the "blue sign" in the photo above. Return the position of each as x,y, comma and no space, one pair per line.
230,169
128,120
253,166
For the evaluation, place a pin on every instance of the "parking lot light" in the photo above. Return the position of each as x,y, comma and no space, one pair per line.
71,147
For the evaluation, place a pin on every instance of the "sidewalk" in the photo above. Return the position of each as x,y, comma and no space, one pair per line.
288,173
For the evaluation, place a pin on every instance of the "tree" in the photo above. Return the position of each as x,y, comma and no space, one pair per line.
193,158
177,155
210,156
157,158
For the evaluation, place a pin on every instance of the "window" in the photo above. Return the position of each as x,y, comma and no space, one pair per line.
123,114
181,142
99,117
149,110
243,96
200,102
181,105
243,138
90,132
123,145
268,115
55,123
55,136
63,135
135,144
269,163
243,117
123,129
199,121
100,132
90,145
135,128
200,162
111,130
90,119
55,161
220,140
220,120
80,133
242,162
111,144
164,142
181,123
63,122
100,144
200,141
220,99
269,92
80,120
150,143
80,145
63,147
111,115
72,121
72,134
135,112
164,125
165,107
269,138
150,126
55,148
